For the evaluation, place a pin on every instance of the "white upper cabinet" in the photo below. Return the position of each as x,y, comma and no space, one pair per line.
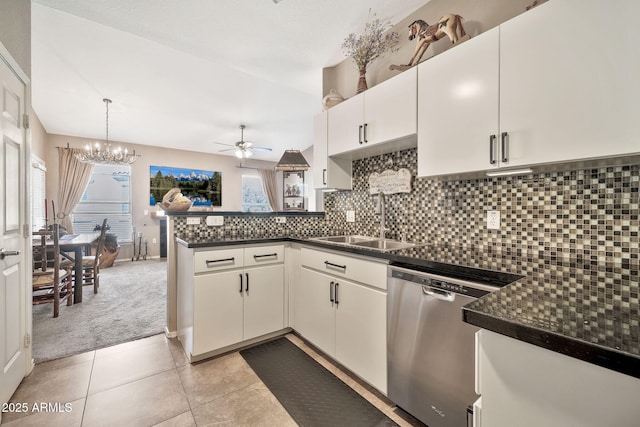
544,87
385,113
569,81
327,172
458,107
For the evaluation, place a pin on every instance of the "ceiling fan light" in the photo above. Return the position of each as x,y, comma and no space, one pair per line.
292,160
239,154
248,153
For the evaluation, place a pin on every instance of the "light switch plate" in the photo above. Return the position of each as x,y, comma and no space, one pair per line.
493,220
351,216
193,220
215,220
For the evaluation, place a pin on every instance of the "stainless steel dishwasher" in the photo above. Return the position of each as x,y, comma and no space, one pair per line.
430,349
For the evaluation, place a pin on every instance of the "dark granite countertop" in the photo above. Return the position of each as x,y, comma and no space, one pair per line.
576,307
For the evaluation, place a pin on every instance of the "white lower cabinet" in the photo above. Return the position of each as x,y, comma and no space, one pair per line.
237,299
344,318
528,386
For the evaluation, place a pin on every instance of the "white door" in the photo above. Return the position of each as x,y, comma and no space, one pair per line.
217,311
12,242
346,126
569,89
263,301
315,313
458,108
390,109
361,332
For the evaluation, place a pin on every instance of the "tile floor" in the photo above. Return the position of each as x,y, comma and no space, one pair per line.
149,382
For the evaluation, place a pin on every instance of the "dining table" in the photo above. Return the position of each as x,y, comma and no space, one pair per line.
79,244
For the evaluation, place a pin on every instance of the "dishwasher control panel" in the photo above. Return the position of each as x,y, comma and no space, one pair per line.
458,286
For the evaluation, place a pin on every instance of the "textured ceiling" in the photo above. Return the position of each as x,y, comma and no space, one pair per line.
183,74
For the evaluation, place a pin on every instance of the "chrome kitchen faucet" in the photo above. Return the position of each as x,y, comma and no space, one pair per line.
380,208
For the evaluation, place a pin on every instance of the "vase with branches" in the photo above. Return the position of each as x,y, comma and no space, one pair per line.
374,41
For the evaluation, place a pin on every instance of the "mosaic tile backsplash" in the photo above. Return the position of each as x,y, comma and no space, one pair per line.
586,214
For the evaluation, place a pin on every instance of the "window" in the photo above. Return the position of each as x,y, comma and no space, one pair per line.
253,197
108,195
38,193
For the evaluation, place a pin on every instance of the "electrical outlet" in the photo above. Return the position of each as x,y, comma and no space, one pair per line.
146,212
154,241
215,220
351,216
281,219
193,220
493,220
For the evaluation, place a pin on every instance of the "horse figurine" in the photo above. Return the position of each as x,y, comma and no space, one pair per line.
448,25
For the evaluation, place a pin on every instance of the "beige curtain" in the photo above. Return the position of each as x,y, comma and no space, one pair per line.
73,179
270,186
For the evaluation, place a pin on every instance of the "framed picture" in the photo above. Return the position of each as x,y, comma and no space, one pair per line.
204,188
293,191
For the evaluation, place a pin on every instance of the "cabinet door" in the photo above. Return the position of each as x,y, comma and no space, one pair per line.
327,172
458,107
315,313
346,122
361,332
217,312
320,150
390,109
263,300
568,81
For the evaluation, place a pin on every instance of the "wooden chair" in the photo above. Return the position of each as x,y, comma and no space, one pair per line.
91,263
51,284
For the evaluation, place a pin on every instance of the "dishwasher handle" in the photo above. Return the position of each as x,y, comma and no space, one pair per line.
438,293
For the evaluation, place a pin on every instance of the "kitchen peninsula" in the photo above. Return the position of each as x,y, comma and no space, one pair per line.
586,311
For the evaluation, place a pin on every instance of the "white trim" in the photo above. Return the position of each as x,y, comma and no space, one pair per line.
11,63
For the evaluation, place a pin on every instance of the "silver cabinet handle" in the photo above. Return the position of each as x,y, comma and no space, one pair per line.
265,255
365,133
324,177
492,145
212,261
331,292
360,134
4,253
336,293
240,282
330,264
505,146
246,287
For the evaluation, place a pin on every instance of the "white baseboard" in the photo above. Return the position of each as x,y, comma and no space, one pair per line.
168,334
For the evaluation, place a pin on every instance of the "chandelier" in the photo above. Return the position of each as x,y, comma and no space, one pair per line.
103,154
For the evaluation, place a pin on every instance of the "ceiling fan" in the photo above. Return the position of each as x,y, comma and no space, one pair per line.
243,149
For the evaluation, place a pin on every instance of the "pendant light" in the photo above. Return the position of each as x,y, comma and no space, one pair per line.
101,153
292,160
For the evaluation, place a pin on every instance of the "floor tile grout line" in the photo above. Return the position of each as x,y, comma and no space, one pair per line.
86,396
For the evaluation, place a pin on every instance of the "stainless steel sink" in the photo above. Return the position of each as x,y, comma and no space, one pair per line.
385,244
367,242
344,239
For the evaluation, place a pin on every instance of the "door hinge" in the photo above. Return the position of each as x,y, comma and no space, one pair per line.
27,340
25,120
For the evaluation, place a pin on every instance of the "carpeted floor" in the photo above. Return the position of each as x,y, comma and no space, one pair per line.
130,304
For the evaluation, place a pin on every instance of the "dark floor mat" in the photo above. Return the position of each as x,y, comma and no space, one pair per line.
311,394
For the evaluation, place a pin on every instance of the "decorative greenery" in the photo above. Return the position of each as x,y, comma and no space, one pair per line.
372,43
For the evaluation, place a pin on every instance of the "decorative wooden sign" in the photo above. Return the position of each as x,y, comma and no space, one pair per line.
390,182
